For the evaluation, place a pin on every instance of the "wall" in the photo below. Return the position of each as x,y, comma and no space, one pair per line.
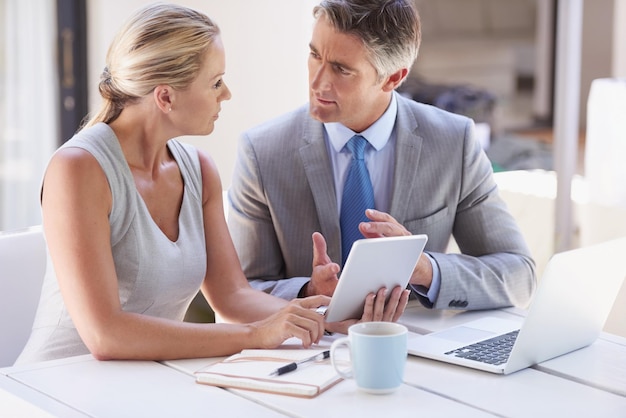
619,40
597,47
266,51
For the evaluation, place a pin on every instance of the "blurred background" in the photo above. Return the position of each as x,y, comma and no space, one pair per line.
493,60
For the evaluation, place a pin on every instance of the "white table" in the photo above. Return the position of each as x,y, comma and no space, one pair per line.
587,382
119,389
18,400
344,400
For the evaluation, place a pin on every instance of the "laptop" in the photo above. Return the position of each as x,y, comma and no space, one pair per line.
568,311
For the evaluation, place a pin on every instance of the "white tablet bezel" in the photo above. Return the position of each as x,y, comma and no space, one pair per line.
373,263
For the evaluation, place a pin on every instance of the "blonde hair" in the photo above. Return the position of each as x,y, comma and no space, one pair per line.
160,44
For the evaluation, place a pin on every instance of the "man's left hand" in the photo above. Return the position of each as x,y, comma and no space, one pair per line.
376,309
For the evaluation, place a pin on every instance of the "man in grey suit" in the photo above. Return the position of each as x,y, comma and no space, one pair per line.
428,172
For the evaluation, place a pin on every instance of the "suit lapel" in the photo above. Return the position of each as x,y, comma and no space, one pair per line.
319,174
317,167
408,149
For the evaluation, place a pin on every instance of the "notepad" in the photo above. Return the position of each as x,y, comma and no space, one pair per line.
251,370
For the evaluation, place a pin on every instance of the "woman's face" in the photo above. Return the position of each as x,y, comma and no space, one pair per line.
196,108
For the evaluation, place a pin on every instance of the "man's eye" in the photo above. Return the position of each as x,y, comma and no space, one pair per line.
342,70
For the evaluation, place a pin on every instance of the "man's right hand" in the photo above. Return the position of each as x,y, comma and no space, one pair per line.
324,276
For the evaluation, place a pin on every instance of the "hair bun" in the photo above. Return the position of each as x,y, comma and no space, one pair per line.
106,85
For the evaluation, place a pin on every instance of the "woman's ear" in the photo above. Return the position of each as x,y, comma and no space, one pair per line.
163,97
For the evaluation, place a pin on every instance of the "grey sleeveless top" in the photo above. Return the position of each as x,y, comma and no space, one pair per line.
156,276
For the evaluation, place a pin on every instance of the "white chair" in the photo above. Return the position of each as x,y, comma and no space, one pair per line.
22,268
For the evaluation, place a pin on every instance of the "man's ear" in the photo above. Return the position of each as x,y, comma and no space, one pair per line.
163,97
394,80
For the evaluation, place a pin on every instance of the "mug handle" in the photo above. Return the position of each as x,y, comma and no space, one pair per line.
346,374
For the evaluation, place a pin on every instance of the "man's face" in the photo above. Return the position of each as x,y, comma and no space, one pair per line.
343,85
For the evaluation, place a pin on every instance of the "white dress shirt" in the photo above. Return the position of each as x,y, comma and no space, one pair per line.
380,162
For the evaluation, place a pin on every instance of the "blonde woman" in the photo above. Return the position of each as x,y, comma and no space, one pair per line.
134,220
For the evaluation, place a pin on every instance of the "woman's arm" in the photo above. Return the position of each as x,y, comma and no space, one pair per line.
76,202
225,285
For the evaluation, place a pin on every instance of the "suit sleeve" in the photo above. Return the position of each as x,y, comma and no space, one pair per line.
252,229
495,268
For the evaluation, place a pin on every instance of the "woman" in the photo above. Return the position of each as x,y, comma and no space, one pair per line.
134,220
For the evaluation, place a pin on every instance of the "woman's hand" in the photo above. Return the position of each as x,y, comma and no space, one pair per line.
297,319
376,309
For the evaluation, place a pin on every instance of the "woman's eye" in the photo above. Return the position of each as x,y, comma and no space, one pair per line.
218,84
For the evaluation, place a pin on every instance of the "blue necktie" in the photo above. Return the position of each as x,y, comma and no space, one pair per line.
358,195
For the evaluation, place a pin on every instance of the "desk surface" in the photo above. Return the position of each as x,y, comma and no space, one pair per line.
601,365
18,400
587,382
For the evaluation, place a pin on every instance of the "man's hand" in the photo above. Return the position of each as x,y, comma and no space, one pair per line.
376,309
384,225
324,276
381,225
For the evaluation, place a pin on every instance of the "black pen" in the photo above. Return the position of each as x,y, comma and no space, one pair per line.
293,366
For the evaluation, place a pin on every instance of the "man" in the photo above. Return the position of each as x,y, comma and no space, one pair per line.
428,173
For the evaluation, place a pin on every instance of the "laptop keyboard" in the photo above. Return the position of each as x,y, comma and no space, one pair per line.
492,351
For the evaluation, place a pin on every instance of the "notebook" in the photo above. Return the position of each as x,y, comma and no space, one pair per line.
572,302
252,370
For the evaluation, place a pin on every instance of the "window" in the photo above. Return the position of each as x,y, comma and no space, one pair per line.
28,107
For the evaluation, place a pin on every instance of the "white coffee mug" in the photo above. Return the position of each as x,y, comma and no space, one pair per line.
378,352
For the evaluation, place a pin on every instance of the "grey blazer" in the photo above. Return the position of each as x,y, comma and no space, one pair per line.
283,190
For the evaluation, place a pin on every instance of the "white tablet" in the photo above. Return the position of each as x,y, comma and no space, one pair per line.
373,263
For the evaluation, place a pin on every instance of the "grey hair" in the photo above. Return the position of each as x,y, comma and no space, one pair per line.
389,29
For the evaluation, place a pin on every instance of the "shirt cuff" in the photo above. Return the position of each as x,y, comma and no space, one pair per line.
432,292
301,293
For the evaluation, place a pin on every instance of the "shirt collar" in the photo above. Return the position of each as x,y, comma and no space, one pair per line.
378,134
